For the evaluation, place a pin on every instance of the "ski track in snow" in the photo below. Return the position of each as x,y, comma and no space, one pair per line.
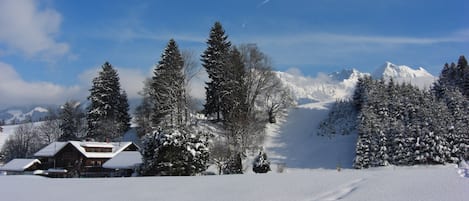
339,193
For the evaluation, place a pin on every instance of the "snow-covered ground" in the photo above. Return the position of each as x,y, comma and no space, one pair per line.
392,183
295,143
7,131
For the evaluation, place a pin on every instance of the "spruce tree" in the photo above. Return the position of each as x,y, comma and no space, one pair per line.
168,88
172,148
70,120
104,112
215,61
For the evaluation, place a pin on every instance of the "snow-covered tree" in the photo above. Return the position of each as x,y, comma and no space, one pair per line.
106,106
23,143
71,124
261,164
174,153
341,120
172,148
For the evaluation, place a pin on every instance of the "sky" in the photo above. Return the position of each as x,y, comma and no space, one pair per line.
50,50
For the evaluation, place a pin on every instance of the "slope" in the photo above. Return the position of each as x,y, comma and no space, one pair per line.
295,143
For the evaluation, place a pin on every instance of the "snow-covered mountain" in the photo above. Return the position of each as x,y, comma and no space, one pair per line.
401,73
19,114
322,87
340,85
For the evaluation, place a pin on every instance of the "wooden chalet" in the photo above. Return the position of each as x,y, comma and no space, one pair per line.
80,158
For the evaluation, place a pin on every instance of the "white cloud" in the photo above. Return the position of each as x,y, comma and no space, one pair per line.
263,3
16,91
26,28
131,79
332,38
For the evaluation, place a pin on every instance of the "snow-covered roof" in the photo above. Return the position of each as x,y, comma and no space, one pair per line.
55,147
124,160
19,164
51,149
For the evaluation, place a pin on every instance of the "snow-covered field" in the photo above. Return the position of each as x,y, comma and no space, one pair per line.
403,183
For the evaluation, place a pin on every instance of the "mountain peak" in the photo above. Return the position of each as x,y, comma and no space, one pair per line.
390,70
346,74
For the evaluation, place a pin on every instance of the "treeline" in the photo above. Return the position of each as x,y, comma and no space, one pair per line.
400,124
242,95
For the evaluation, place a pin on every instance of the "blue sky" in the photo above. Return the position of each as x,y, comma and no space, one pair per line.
50,49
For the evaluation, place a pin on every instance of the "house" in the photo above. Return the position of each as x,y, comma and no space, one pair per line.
80,158
21,166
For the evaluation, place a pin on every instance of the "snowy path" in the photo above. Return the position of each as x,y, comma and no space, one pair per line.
293,141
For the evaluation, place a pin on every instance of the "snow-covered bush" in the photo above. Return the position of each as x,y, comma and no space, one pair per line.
261,164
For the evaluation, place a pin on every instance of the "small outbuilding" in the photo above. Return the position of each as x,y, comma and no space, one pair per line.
21,166
124,164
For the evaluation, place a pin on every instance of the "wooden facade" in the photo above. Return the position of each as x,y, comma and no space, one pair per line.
86,162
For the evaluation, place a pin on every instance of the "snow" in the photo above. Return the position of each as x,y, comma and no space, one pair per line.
420,77
316,168
124,160
19,164
54,147
403,183
296,144
22,114
51,149
9,130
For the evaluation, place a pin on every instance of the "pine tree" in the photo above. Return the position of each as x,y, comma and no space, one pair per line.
105,104
70,120
171,149
168,88
215,61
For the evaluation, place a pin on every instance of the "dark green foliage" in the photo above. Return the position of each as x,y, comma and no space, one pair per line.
106,114
171,149
341,120
215,61
167,89
234,165
261,164
70,121
402,125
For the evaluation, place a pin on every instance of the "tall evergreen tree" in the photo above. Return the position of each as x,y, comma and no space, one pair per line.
168,88
171,149
103,115
215,61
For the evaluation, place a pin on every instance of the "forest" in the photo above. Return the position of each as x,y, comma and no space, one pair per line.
400,124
